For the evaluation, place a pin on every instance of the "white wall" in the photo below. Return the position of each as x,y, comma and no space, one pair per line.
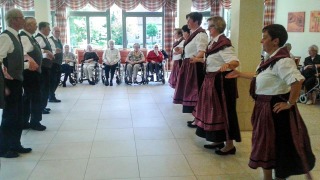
300,40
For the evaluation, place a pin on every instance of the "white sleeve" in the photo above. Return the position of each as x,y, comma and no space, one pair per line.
287,70
53,45
202,42
40,41
27,46
4,46
228,54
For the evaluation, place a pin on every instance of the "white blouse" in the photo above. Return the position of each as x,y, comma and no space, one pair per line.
177,56
278,80
111,56
198,43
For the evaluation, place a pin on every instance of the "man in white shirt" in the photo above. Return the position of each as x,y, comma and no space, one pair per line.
31,84
12,60
47,57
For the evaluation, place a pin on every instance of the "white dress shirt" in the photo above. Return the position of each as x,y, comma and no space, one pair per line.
6,45
27,46
177,56
278,80
216,60
198,43
42,44
111,56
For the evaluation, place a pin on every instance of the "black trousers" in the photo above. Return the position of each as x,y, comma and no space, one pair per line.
67,70
32,108
154,67
110,69
54,79
12,119
45,86
310,82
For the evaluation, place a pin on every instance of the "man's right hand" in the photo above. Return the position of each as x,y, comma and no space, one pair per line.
6,74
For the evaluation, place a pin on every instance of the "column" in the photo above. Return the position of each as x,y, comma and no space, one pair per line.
42,11
246,25
184,8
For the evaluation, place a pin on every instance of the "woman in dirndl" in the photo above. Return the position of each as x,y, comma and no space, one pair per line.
176,56
191,74
215,113
280,139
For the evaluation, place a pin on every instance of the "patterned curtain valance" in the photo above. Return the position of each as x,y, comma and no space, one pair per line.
23,4
202,5
103,5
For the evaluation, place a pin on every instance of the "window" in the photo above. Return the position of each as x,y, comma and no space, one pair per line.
143,27
1,20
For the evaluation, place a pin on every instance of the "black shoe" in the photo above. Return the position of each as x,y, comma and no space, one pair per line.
47,109
111,83
64,84
38,127
9,154
54,100
151,79
44,111
210,146
21,150
106,83
231,151
190,122
192,126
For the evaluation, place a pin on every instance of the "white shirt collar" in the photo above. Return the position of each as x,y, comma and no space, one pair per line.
13,31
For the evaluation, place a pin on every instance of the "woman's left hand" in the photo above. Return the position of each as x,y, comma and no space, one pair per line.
224,67
280,106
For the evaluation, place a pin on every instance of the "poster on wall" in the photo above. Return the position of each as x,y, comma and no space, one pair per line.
296,21
314,21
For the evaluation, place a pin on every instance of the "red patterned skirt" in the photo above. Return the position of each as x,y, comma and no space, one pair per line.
215,112
280,141
174,73
188,84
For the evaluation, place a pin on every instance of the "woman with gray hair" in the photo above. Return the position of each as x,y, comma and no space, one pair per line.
111,57
215,113
309,71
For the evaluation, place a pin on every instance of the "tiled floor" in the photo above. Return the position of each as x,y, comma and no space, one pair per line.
132,133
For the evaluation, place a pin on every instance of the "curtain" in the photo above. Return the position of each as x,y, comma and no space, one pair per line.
170,10
22,4
61,22
214,5
269,11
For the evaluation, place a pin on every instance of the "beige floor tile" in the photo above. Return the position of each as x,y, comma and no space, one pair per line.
67,151
38,137
73,136
112,168
82,124
157,147
162,166
153,133
123,134
113,149
149,122
171,178
16,170
114,123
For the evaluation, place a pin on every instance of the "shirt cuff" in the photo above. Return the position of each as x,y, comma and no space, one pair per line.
26,65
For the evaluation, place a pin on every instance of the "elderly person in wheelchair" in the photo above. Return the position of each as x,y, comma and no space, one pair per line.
154,59
111,57
310,71
134,62
68,65
90,60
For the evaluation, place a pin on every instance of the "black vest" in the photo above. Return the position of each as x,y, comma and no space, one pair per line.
15,60
36,54
45,61
58,56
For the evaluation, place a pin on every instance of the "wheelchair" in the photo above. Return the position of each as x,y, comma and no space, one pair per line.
160,76
73,79
140,76
118,73
96,73
304,97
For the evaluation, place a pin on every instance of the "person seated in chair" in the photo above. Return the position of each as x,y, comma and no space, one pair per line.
309,72
68,63
134,59
154,59
90,60
111,57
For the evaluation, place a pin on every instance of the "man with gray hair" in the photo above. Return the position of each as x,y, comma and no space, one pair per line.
11,55
31,83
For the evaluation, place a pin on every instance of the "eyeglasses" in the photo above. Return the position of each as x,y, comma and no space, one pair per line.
211,26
